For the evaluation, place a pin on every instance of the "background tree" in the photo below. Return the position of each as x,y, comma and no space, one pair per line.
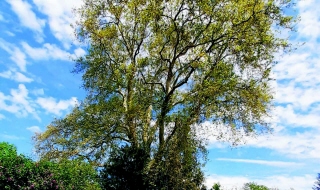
156,70
317,183
254,186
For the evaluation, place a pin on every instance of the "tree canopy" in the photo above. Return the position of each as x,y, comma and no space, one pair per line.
155,70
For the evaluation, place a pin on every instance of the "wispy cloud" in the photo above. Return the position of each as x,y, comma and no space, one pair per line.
46,52
16,55
27,17
263,162
1,17
10,33
10,137
19,58
16,76
34,129
50,52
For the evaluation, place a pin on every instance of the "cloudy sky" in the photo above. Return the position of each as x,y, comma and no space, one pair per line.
36,86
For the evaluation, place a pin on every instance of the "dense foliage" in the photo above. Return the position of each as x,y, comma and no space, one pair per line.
124,169
156,70
20,172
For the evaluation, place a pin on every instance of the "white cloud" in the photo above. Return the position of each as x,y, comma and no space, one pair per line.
6,46
302,145
18,102
16,54
298,79
26,16
19,77
263,162
60,16
20,98
309,26
16,76
291,117
79,52
46,52
298,145
51,105
19,58
302,182
34,129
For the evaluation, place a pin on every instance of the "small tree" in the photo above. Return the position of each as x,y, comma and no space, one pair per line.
216,186
317,183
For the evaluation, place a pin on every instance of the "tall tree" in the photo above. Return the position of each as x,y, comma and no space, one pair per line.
157,69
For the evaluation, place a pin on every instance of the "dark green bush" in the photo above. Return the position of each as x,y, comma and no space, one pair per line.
124,169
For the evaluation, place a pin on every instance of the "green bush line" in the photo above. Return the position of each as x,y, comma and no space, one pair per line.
20,172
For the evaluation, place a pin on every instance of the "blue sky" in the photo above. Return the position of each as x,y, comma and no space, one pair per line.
36,86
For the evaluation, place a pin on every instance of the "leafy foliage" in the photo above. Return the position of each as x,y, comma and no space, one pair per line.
156,70
20,172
